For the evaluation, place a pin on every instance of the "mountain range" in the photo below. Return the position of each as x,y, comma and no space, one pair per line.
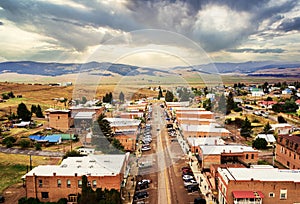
253,68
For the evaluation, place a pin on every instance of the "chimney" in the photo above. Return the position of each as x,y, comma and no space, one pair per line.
54,174
75,174
216,142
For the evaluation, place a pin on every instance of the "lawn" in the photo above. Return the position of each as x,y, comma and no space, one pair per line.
14,166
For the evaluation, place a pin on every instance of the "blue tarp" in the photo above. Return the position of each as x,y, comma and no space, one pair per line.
49,138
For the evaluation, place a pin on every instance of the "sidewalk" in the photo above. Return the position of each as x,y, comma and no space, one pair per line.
202,180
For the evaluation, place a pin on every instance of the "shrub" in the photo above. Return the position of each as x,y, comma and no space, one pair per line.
24,143
38,146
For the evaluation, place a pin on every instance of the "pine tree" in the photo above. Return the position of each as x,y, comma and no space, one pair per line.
246,128
267,128
169,96
39,112
121,96
23,112
33,109
159,93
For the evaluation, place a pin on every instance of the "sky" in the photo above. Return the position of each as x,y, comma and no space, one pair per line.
150,32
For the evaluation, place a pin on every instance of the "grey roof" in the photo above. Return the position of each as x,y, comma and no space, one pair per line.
94,165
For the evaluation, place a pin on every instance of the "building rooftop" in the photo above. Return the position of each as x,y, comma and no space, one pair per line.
84,115
279,125
197,141
267,137
188,109
197,119
213,127
196,112
123,122
259,174
94,165
218,149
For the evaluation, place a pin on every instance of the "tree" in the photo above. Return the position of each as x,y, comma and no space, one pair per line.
9,141
281,119
207,104
72,153
159,93
23,112
39,112
260,143
38,146
24,143
83,100
33,108
222,104
229,103
267,128
121,96
246,128
169,96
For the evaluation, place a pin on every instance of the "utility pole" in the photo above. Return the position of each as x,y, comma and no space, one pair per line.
30,163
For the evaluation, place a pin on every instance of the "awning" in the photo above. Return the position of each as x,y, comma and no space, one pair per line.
247,194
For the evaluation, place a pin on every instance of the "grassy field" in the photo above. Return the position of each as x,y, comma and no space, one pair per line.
14,166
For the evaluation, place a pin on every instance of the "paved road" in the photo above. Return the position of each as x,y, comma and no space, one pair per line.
30,152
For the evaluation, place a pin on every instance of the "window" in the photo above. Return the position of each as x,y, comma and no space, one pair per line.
45,195
94,183
252,156
283,194
271,195
40,183
288,163
58,117
68,183
58,183
247,156
79,183
294,156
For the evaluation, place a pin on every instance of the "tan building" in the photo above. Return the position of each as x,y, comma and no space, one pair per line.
49,183
125,130
288,151
224,154
194,114
60,119
96,109
211,130
265,185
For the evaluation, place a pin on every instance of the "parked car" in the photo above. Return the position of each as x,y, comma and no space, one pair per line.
187,177
193,188
148,181
146,148
142,186
199,200
140,195
189,183
186,167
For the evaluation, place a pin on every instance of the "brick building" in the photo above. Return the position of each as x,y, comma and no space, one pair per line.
224,154
211,130
288,150
60,119
49,183
125,130
258,185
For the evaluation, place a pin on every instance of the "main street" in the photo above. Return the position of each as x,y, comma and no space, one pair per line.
168,158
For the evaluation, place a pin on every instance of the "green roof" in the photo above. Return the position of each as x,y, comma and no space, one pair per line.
67,136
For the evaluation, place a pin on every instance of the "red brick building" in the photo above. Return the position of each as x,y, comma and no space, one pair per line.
49,183
258,185
288,150
60,119
125,130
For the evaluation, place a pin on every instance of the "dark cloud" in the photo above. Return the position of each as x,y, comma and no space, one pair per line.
290,25
77,27
1,23
261,51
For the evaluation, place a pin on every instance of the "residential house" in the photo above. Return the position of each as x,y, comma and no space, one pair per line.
270,139
282,128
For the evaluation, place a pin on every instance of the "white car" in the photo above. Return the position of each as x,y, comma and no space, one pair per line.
146,148
191,182
187,177
148,181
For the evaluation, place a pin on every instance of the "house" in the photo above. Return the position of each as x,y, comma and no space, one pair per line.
132,114
265,185
54,139
288,150
22,124
49,183
256,92
286,91
171,105
282,128
269,138
266,104
194,114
